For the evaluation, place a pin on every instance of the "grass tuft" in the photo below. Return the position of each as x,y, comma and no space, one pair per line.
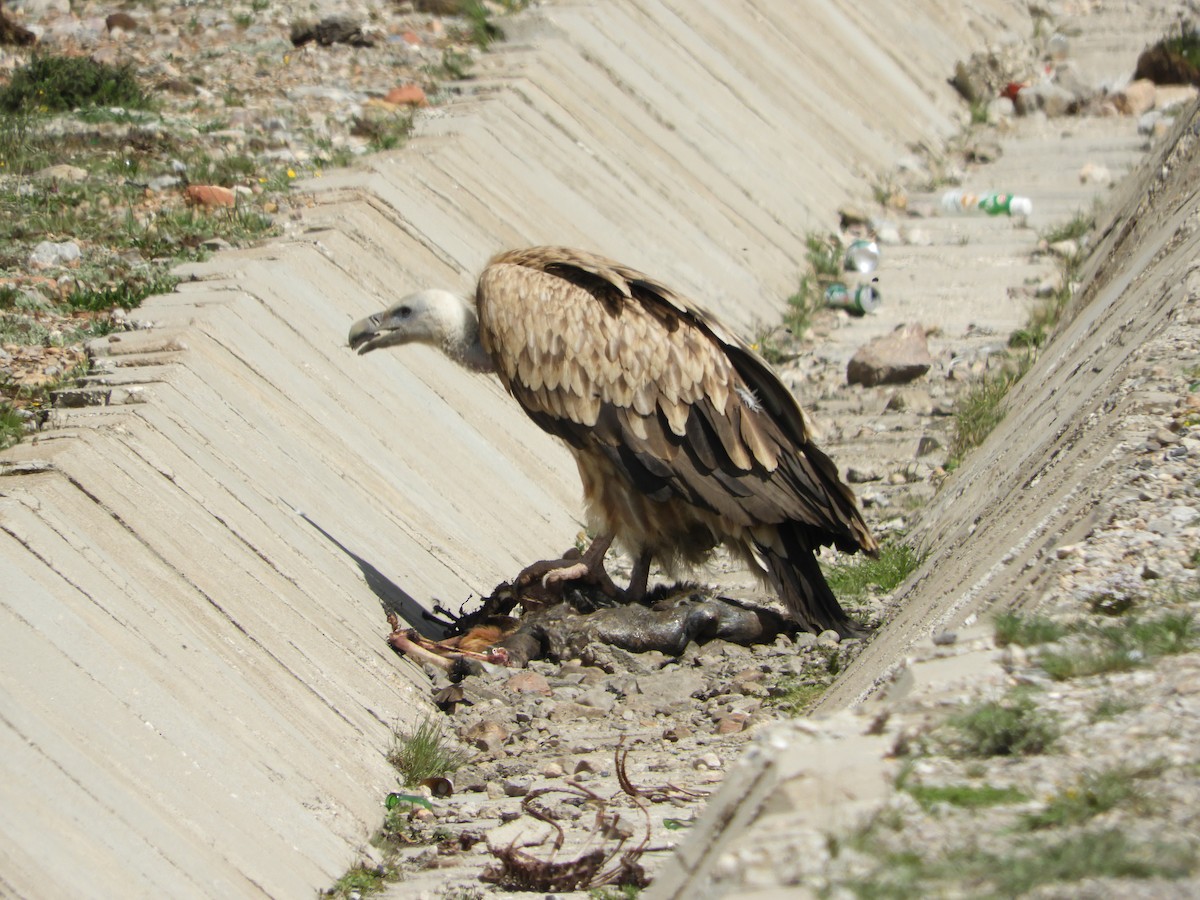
980,409
53,83
855,578
1012,726
424,752
1121,647
1026,631
1094,793
964,796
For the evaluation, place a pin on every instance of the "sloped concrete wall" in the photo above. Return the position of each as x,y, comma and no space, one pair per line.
196,692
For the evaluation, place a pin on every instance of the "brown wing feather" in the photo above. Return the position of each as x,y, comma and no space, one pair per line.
619,365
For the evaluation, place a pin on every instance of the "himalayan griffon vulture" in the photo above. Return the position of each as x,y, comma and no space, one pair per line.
684,437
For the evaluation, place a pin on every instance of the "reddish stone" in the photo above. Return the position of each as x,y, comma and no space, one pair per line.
410,37
407,95
209,195
527,682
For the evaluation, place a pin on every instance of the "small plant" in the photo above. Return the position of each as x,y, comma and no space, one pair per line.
795,697
1026,631
1071,230
12,426
51,83
964,796
855,578
480,29
425,752
621,892
1121,647
1102,854
1012,726
1094,793
824,255
358,881
1109,707
981,409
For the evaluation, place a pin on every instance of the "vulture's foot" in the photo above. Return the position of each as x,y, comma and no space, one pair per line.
553,575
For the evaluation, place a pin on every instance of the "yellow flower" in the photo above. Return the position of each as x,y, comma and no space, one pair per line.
291,173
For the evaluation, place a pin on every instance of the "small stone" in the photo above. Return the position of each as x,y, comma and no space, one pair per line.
1095,173
209,195
487,735
553,770
928,444
861,476
516,787
677,733
829,638
529,682
120,21
1136,98
48,254
62,173
407,95
732,723
897,358
709,761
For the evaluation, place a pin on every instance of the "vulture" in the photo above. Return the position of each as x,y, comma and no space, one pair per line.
684,437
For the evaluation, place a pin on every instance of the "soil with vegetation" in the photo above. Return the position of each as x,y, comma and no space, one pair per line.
135,140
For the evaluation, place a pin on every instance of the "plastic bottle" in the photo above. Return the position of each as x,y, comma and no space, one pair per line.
993,203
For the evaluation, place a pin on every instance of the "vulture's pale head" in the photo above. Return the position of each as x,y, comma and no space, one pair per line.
438,318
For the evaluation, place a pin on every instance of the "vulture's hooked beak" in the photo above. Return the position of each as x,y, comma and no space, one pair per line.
371,333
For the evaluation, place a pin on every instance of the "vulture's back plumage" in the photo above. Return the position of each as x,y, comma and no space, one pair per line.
684,437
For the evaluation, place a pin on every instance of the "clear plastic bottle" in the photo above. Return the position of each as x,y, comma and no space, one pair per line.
993,203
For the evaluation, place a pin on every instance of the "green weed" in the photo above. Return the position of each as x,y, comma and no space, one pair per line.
855,578
795,697
424,752
52,83
1026,631
981,408
1094,793
964,796
1012,726
12,426
1122,646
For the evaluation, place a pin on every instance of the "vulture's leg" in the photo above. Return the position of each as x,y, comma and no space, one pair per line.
639,579
589,566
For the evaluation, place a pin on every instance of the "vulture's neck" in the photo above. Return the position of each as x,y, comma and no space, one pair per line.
462,343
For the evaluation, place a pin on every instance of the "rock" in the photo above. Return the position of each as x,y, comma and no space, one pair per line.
121,21
49,254
487,735
862,476
927,444
62,173
407,95
210,196
828,639
529,682
1136,98
335,29
897,358
1095,173
664,693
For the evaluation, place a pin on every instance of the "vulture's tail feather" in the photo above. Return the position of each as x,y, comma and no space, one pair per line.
797,578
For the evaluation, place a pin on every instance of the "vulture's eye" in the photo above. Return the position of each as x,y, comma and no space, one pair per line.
404,312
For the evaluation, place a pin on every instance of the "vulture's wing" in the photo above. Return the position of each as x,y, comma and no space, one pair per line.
615,363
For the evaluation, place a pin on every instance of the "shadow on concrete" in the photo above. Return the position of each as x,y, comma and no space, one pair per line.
392,597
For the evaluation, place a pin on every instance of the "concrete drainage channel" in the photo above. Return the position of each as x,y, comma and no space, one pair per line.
198,697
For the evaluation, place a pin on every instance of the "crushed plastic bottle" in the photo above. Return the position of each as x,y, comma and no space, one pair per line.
992,202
